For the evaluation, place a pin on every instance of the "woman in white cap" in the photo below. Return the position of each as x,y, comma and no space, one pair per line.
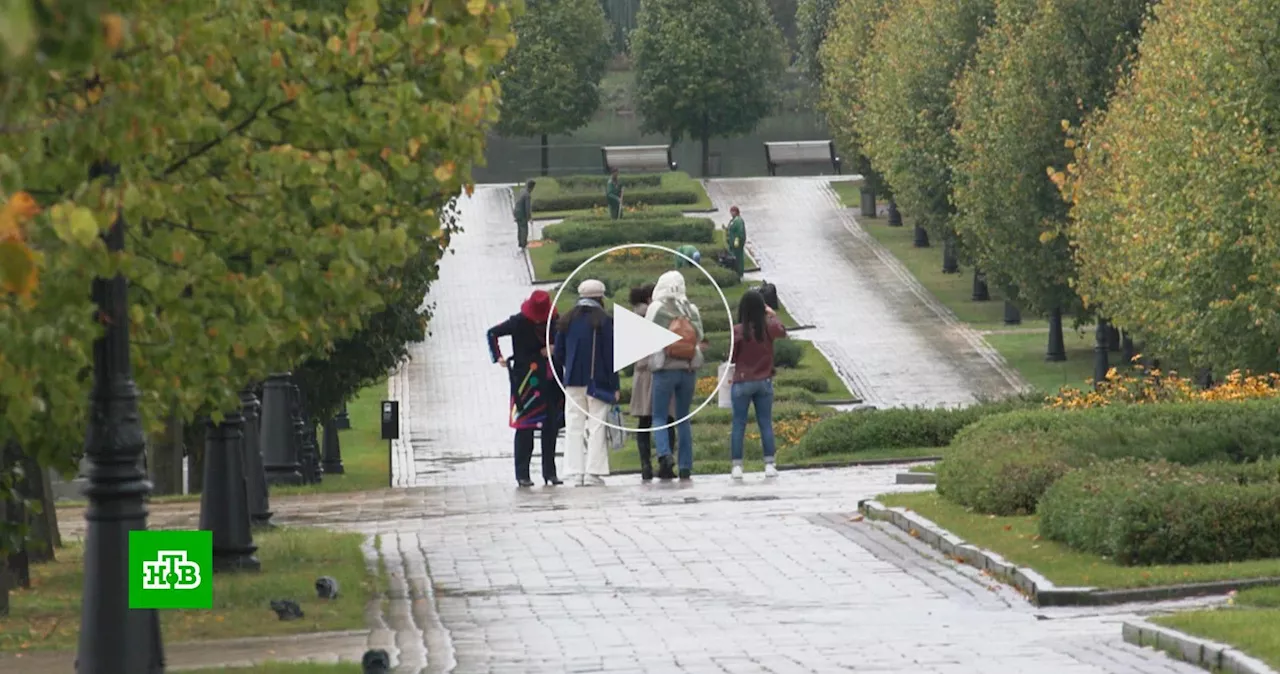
584,348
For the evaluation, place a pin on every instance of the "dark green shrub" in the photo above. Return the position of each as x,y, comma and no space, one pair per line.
647,213
782,411
787,353
717,349
589,183
566,262
1157,512
976,470
898,428
573,236
794,394
809,382
581,201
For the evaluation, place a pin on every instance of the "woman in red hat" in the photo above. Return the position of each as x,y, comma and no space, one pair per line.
536,400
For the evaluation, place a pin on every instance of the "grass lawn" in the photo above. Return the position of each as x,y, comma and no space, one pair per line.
47,616
671,180
286,668
924,467
849,191
1022,345
1252,624
1017,539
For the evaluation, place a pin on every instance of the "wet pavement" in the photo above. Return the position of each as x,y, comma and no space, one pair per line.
885,334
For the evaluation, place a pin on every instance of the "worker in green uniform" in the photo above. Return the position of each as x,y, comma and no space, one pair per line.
736,236
690,251
613,192
522,213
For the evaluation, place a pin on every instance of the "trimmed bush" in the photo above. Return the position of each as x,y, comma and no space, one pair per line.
581,201
594,183
574,236
794,394
985,461
782,411
645,213
809,382
864,430
1144,512
787,353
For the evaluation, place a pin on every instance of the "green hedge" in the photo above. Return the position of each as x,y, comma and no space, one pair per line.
588,183
787,353
655,213
1002,465
574,236
1144,512
581,201
898,428
782,411
794,394
809,382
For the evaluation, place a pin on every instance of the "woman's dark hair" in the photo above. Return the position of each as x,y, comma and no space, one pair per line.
641,294
751,315
594,312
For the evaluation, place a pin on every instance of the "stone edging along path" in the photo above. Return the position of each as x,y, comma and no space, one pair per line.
1211,655
1039,590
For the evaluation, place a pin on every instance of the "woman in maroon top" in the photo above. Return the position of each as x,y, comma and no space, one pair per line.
758,326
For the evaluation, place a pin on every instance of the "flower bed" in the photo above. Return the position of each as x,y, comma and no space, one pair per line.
554,197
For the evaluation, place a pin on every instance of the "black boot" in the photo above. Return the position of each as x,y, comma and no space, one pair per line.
646,457
685,475
666,465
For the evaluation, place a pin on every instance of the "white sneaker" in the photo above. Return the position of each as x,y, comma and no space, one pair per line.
770,470
736,473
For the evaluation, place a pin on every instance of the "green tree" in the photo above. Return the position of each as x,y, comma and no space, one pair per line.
705,68
813,22
840,58
1176,188
551,80
1043,62
277,165
905,106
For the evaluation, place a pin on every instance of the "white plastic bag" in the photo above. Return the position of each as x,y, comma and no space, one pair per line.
725,373
614,438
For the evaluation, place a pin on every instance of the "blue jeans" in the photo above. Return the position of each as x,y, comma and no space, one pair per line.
745,394
677,383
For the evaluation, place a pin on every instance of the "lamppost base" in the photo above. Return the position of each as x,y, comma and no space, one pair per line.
236,561
262,521
334,468
288,477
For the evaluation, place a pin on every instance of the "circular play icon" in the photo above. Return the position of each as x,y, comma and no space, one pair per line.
636,338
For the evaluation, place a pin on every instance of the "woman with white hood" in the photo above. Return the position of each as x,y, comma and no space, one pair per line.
675,369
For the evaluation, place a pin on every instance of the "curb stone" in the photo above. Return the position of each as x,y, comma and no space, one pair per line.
916,478
1040,591
1211,655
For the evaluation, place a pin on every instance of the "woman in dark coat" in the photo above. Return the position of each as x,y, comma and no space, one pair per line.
536,399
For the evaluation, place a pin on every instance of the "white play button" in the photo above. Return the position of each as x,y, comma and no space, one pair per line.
635,338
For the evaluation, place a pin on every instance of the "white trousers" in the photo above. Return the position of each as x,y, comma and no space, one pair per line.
585,452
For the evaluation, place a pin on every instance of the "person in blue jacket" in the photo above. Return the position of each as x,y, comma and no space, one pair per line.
584,347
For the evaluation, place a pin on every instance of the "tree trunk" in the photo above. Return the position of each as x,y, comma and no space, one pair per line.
193,439
40,534
50,510
950,261
546,159
868,202
1057,349
165,450
706,157
1101,364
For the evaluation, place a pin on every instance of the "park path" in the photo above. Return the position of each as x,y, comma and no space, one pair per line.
886,335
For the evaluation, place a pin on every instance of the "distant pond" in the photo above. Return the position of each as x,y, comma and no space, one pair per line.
515,159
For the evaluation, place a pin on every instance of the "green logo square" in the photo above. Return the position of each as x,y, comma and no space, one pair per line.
171,569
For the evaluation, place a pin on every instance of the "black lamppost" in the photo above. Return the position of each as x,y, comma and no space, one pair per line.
224,503
950,260
1127,349
1113,338
332,448
343,420
921,239
1012,315
1057,349
279,447
895,217
980,291
255,473
1100,364
113,637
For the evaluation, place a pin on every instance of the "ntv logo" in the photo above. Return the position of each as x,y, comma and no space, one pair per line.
170,571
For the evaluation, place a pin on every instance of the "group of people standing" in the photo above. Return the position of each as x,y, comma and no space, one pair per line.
580,350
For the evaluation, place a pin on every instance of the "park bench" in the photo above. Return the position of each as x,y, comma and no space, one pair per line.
643,158
800,152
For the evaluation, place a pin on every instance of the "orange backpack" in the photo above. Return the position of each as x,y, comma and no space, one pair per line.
687,347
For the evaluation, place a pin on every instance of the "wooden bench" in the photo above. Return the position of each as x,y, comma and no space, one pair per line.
643,158
800,152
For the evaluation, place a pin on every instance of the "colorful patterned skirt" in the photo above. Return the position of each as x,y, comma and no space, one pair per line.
536,400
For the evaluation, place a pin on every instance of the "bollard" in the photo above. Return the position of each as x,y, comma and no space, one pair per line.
1113,338
1100,364
1012,316
279,453
344,421
1056,351
980,291
867,197
224,505
921,239
375,662
895,216
251,448
950,259
113,637
332,448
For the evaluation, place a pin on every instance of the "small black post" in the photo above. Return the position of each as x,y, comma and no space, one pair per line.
980,291
251,448
299,438
1012,316
1057,350
1204,378
1113,338
1100,364
921,238
224,505
1127,350
390,432
113,637
895,216
279,453
332,448
950,260
344,421
867,198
